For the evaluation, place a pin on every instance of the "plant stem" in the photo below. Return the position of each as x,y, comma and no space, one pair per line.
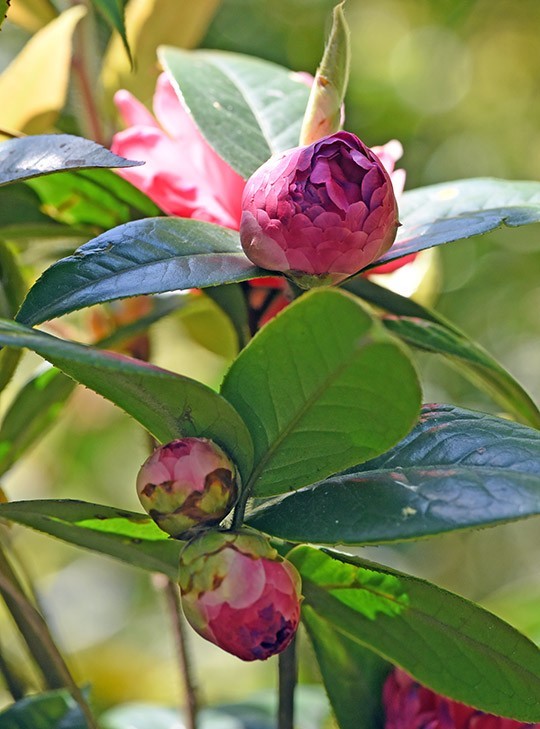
82,70
36,634
287,685
179,626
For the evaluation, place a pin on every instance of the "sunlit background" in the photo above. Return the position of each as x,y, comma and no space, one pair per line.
458,83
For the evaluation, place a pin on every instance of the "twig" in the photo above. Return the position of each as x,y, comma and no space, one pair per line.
179,627
287,685
36,633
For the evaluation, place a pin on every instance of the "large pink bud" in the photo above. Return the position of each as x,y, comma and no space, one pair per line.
187,483
408,704
239,593
319,213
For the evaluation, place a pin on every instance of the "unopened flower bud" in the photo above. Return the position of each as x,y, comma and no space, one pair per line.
187,483
319,213
238,593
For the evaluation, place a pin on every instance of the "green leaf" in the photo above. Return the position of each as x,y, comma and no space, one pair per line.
168,405
142,257
36,406
353,676
21,159
12,290
246,108
18,205
429,331
451,211
320,387
51,710
324,109
446,642
130,537
95,197
231,299
34,409
4,5
113,12
456,470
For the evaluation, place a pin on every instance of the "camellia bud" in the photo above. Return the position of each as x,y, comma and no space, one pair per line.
238,593
319,213
187,483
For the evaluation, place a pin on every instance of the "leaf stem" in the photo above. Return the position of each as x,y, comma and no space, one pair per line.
287,684
172,597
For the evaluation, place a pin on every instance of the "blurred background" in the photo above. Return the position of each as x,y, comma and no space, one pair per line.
458,83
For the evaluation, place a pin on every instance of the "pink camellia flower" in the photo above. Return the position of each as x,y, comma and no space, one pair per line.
182,174
238,593
409,705
186,484
319,213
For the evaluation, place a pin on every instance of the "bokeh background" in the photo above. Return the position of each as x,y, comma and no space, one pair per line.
458,83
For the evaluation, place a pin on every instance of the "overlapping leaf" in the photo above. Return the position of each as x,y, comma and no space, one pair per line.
457,469
130,537
446,642
320,387
246,108
50,710
168,405
451,211
429,331
142,257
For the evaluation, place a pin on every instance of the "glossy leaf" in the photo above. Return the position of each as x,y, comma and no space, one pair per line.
12,290
457,469
450,211
168,405
246,108
143,257
50,710
113,12
130,537
96,197
317,396
42,154
446,642
429,331
36,81
353,676
37,405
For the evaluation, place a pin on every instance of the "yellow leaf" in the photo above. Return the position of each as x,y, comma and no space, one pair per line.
33,87
149,24
32,14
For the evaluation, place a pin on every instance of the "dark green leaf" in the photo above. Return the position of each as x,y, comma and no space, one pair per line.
456,470
143,257
19,205
231,299
51,710
429,331
451,211
319,387
42,154
34,409
95,197
168,405
353,676
113,12
12,291
246,108
446,642
125,535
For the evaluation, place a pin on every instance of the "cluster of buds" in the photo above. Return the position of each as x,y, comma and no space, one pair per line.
236,590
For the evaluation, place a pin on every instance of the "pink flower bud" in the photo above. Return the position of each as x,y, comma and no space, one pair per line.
408,704
238,593
187,483
319,213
